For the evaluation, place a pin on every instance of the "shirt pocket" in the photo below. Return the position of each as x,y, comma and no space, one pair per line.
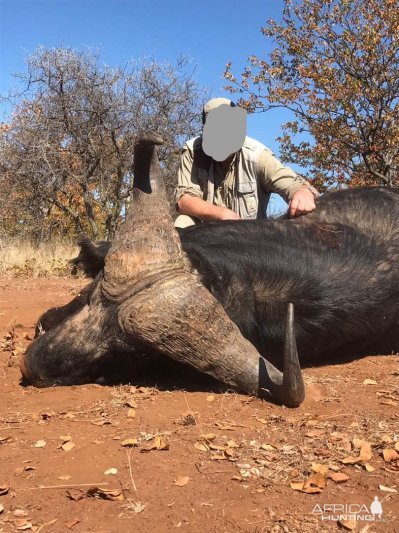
247,199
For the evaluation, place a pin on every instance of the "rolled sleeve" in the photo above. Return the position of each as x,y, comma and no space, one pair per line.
187,179
277,178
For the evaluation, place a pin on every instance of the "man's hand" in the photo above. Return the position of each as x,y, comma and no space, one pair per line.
302,202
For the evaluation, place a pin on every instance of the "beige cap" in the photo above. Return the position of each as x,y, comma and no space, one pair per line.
213,104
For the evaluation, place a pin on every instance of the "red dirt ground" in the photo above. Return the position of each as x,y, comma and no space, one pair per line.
232,462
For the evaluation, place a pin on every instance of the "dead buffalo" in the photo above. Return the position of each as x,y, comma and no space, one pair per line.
221,297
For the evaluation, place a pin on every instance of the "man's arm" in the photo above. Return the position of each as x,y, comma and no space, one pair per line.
196,207
189,196
296,191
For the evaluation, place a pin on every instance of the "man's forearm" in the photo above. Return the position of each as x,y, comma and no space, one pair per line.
196,207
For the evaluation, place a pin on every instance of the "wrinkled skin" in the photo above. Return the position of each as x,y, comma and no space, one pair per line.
338,267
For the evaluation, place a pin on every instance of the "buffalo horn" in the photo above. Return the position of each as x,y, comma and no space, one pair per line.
163,304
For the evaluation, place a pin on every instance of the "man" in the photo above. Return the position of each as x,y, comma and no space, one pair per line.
224,175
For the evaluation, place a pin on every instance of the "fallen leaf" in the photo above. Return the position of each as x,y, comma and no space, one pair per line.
129,443
131,413
315,481
321,469
181,481
3,440
111,472
369,382
218,457
387,489
72,523
339,477
22,525
210,398
209,436
66,438
64,478
201,447
1,508
159,443
349,525
4,489
390,455
364,455
312,485
232,444
105,494
19,513
368,467
40,444
267,447
68,446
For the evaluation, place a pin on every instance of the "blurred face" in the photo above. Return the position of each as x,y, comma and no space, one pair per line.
224,131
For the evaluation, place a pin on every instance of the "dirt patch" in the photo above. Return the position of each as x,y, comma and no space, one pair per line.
182,453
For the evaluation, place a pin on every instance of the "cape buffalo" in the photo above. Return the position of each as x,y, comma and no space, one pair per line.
221,297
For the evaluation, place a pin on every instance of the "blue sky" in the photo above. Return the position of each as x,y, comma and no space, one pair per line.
211,33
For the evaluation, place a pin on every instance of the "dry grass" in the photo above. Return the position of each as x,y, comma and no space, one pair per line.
19,258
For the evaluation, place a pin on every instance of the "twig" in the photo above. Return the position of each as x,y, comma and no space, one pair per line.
130,470
65,486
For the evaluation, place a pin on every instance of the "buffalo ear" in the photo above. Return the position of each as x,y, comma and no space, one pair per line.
91,257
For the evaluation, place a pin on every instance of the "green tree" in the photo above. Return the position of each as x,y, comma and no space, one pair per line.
335,66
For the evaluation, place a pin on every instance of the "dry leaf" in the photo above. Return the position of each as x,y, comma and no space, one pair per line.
20,513
321,469
313,485
368,467
210,398
209,436
181,481
4,489
65,438
218,457
129,443
338,477
64,478
387,489
349,525
23,525
72,523
111,472
1,508
267,447
390,455
369,382
105,494
68,446
232,444
159,443
40,444
201,447
3,440
364,455
316,480
131,413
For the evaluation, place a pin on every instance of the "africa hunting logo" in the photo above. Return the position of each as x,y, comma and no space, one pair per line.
352,511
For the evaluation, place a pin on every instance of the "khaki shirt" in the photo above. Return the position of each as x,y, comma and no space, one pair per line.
245,186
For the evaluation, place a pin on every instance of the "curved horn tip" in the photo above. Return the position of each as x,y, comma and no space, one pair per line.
148,137
293,384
